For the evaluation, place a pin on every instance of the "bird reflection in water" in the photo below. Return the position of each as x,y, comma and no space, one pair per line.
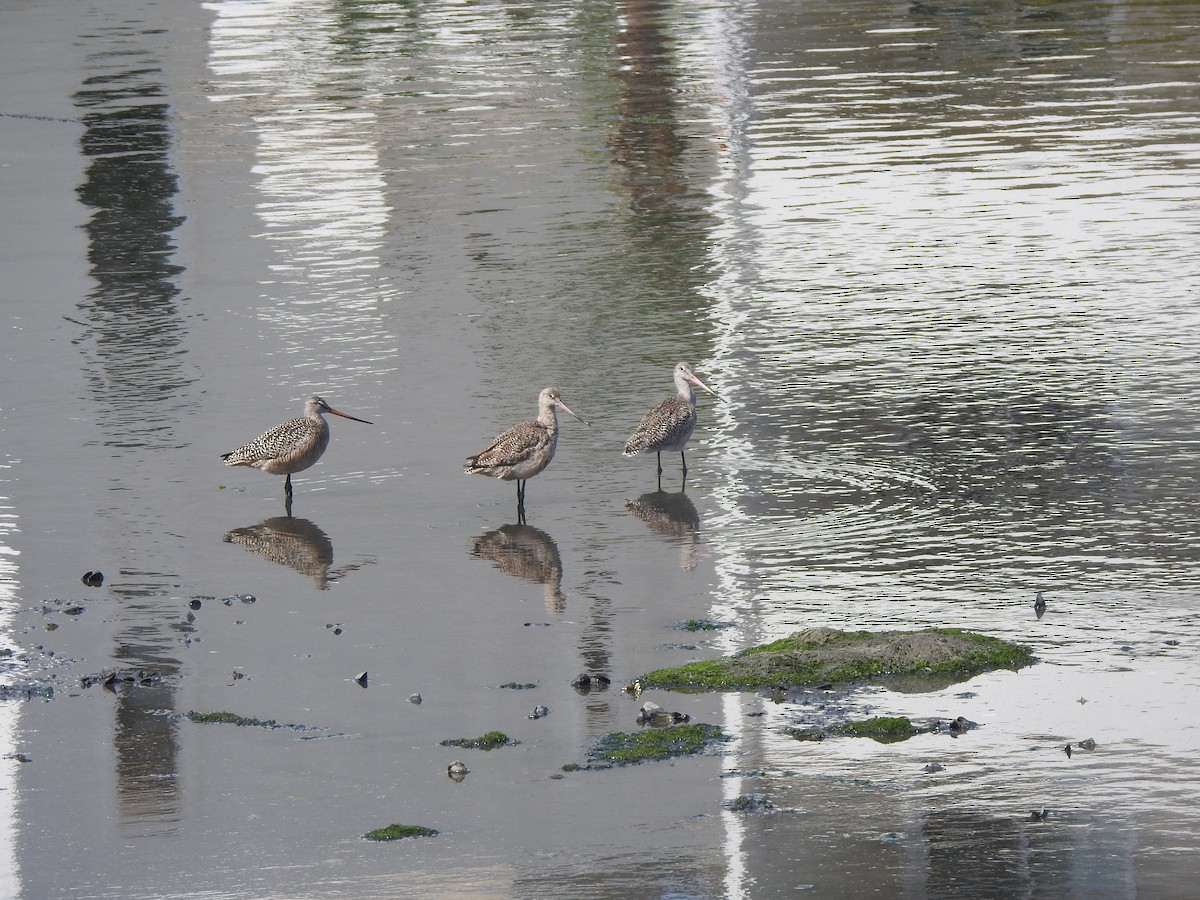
528,553
296,543
673,516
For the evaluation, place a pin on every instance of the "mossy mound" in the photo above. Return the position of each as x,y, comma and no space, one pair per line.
884,729
396,832
489,741
629,748
819,655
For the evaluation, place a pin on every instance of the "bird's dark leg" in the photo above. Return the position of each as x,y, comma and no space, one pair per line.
520,502
287,505
287,486
683,459
659,455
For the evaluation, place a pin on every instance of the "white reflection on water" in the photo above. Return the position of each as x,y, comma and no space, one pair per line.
321,187
10,879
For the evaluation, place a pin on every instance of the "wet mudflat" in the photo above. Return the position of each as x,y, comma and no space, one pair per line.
938,265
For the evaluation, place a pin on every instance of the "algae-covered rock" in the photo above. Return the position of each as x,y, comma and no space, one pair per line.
396,832
819,655
884,729
489,741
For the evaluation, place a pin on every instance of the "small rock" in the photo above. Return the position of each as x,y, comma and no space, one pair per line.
585,683
933,767
74,610
415,698
1039,815
457,770
361,678
961,724
540,712
19,757
1087,744
194,604
1039,605
1067,750
653,714
93,579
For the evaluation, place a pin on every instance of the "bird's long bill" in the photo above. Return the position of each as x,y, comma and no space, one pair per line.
568,409
696,381
347,416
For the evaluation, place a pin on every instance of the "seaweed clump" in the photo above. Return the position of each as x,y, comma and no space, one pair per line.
397,832
630,748
489,741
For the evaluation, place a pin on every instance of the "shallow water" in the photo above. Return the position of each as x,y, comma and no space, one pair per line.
939,263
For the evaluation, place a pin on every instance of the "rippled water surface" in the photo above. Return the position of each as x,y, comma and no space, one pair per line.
938,260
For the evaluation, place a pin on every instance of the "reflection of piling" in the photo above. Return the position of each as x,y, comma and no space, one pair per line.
673,516
295,543
528,553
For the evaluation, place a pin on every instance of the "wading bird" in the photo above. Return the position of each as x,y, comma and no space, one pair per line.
668,426
525,449
292,446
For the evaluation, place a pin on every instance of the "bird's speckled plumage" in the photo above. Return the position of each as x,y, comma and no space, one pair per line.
292,446
525,449
668,426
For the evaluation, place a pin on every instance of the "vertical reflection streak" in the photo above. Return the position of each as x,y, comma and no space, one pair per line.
10,877
135,344
729,301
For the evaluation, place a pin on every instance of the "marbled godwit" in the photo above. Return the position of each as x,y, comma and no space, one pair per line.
525,449
669,425
292,446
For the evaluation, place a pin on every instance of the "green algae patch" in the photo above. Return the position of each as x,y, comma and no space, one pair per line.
702,625
227,718
884,729
806,733
489,741
820,655
629,748
221,717
397,832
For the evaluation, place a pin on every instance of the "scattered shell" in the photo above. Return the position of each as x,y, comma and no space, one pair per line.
457,770
1067,750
